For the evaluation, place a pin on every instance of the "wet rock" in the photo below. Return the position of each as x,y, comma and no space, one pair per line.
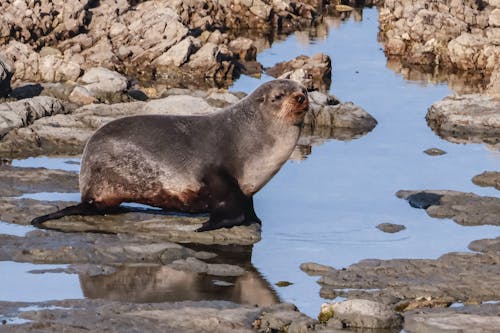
19,114
366,314
390,227
313,268
15,181
466,118
481,318
454,277
434,152
283,283
52,247
188,316
6,72
343,116
488,178
315,72
422,303
464,208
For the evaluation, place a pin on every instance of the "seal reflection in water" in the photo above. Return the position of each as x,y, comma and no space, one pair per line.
196,164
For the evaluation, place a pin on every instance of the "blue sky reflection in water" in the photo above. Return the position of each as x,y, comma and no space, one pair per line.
325,209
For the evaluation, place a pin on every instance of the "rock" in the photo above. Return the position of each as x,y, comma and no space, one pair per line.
182,317
346,115
312,268
484,318
488,178
448,34
283,283
19,114
102,80
493,88
366,314
15,181
466,118
454,277
281,316
434,152
315,72
81,96
390,227
195,265
178,54
54,68
6,72
244,48
464,208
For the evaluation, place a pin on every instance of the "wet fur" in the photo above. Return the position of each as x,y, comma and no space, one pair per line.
212,163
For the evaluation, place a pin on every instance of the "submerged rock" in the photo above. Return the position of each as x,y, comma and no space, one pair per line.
466,119
434,152
390,227
464,208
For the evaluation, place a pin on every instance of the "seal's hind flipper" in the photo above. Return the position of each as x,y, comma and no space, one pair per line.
79,209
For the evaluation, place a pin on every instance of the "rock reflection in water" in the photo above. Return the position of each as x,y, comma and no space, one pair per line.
157,283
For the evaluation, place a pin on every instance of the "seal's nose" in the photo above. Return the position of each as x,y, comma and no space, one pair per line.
300,98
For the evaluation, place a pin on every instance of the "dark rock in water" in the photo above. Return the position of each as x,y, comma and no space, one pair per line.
434,152
424,200
464,208
390,227
284,283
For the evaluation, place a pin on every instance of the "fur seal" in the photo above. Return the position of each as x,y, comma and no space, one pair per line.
195,164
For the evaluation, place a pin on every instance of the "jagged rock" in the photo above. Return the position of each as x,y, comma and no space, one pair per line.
6,72
102,80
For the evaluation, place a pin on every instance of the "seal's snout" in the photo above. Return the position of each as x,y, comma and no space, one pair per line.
300,98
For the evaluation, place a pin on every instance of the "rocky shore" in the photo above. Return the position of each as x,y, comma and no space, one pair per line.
67,68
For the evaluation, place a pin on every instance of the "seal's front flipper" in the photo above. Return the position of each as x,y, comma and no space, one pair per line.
229,206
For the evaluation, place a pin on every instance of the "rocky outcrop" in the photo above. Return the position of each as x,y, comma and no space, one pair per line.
466,119
315,72
454,277
464,208
6,72
456,34
176,41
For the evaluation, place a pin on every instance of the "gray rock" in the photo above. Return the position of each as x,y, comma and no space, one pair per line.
390,227
480,318
123,317
466,118
463,208
454,277
54,68
178,54
366,314
23,113
102,80
195,265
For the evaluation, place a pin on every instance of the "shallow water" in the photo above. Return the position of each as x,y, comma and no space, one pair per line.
325,209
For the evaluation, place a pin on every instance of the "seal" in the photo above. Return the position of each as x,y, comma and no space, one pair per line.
195,164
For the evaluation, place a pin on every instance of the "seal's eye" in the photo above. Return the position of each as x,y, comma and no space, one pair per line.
278,97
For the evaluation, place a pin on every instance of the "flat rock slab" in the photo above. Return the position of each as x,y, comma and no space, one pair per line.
464,208
454,277
172,228
466,119
484,318
203,316
15,181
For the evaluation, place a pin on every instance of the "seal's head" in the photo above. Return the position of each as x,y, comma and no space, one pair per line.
284,100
